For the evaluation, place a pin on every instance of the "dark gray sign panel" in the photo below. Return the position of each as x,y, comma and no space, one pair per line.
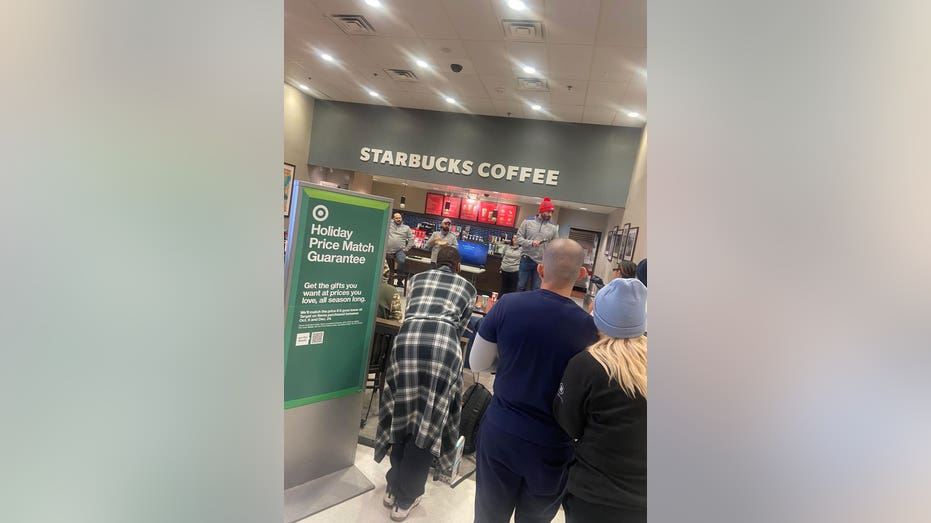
565,161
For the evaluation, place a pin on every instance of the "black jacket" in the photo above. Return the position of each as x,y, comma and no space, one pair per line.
609,429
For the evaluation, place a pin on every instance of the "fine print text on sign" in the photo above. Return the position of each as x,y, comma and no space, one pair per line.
443,164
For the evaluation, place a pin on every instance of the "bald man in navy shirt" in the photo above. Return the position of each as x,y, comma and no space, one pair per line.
522,454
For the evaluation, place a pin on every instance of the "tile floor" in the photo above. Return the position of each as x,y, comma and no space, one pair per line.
441,503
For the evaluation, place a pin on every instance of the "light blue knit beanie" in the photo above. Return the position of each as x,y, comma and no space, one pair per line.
621,308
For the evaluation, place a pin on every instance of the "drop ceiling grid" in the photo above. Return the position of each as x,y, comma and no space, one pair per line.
607,58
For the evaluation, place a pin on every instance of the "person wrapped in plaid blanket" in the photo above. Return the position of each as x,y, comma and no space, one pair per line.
421,399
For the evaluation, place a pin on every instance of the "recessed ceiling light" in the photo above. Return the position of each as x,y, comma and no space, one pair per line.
450,100
373,93
421,63
583,208
529,70
633,114
373,3
535,107
326,57
302,86
516,5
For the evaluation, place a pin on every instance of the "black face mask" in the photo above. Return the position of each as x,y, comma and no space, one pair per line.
445,229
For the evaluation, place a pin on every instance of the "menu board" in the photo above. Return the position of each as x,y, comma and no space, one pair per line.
434,204
453,202
469,210
507,215
485,210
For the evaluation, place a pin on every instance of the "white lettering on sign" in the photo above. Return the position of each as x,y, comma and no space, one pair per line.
442,164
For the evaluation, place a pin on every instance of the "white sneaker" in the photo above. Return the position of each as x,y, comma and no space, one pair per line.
388,500
400,514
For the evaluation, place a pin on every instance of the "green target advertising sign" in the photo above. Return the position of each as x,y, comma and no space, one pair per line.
333,267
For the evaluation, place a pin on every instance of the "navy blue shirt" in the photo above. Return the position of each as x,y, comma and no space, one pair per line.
537,333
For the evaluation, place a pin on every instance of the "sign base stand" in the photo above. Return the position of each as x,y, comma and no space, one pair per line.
324,492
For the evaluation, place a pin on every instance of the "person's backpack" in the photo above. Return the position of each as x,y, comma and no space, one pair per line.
469,333
474,402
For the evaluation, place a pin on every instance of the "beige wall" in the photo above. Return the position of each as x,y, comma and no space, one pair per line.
634,213
298,119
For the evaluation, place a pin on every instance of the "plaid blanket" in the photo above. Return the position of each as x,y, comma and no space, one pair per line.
422,395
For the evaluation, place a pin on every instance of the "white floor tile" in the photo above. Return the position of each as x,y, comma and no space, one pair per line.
441,504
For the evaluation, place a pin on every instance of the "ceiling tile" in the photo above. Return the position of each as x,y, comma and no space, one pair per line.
430,101
533,10
479,105
489,58
465,85
474,20
623,23
570,62
303,18
529,98
605,94
385,19
617,64
396,53
340,47
371,78
503,107
414,87
446,51
598,115
571,21
527,53
427,17
635,99
561,94
505,84
566,113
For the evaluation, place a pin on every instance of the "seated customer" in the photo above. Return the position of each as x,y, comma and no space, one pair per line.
602,405
389,300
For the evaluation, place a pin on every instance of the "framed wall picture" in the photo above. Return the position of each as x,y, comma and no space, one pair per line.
631,243
619,244
609,243
288,182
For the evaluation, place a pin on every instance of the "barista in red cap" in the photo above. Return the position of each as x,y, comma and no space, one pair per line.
532,236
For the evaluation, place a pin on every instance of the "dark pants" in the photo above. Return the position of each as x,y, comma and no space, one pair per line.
528,278
580,511
395,264
508,282
407,476
513,474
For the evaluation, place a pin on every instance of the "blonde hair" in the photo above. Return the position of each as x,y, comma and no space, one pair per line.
625,361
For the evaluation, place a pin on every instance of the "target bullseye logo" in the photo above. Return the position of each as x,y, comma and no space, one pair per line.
320,213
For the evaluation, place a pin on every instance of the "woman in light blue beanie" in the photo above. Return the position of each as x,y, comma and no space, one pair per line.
602,405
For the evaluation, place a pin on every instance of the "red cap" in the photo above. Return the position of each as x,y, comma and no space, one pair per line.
546,205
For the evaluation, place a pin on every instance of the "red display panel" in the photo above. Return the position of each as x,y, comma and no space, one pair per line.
454,203
507,215
469,210
434,204
484,213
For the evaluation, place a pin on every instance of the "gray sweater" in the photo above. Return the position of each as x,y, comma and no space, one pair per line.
532,230
400,238
510,259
